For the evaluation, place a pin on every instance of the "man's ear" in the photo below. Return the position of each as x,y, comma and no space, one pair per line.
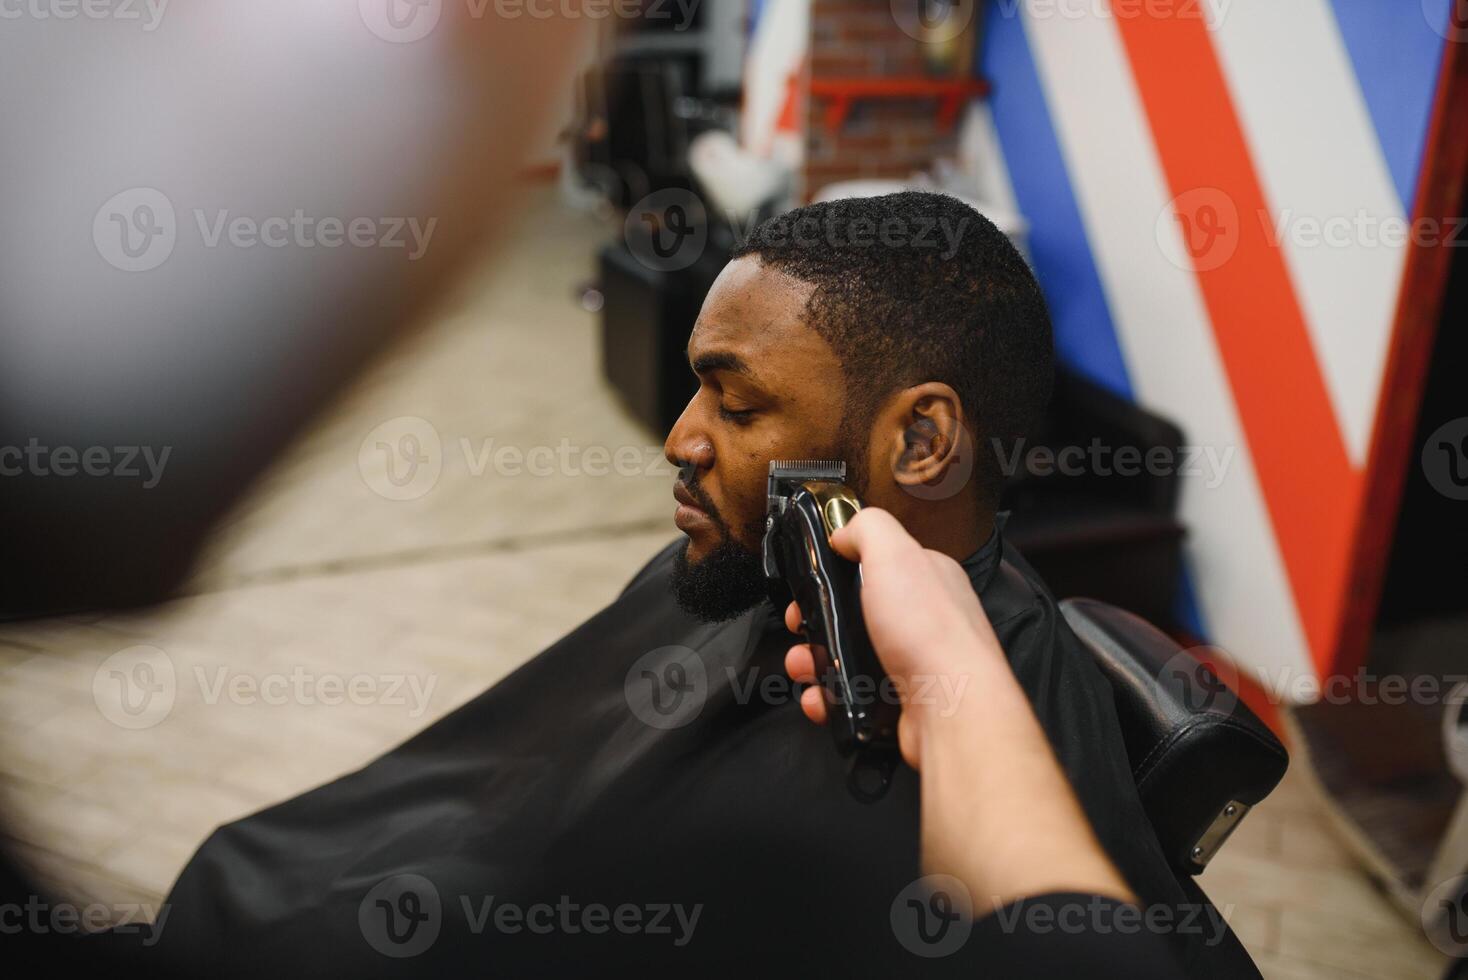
925,434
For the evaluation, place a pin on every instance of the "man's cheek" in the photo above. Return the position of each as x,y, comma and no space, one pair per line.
746,519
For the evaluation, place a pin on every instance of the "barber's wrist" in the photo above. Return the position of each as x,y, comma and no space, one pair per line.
961,698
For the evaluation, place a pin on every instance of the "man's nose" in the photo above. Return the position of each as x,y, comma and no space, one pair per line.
687,445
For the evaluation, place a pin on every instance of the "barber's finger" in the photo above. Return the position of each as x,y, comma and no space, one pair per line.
813,703
792,618
800,664
873,535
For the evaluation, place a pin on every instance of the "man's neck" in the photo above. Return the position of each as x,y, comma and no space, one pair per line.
955,531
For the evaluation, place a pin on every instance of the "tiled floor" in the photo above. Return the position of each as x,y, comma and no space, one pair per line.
322,575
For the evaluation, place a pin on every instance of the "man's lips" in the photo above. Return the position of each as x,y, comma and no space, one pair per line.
689,516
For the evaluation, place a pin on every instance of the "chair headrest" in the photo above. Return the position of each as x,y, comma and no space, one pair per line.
1200,757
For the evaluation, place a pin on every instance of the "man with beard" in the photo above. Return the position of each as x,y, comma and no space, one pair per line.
645,794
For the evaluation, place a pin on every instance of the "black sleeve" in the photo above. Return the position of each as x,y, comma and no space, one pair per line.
1062,936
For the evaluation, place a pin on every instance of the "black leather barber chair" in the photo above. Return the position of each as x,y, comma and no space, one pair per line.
1200,757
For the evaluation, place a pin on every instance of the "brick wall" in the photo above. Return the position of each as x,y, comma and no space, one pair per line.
881,137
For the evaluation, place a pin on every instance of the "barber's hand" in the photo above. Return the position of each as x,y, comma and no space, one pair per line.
926,623
997,811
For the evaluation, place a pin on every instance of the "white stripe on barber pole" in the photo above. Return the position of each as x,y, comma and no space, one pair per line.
1165,334
979,147
1320,164
777,49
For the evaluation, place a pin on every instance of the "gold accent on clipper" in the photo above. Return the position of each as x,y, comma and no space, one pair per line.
838,504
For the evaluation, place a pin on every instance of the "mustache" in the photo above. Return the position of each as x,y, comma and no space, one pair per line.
688,480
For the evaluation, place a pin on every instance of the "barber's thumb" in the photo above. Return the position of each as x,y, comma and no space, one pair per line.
867,534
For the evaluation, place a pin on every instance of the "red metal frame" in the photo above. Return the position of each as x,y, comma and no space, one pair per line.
951,93
1419,308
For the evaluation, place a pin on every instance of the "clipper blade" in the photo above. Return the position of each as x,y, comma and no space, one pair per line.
807,469
786,474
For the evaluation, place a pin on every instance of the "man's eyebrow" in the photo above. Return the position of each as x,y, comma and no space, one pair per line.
720,361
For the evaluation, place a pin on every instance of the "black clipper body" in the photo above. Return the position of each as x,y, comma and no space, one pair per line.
808,501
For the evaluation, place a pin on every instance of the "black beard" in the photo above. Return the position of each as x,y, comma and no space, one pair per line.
726,582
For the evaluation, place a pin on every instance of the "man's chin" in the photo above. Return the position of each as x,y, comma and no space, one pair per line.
718,583
698,546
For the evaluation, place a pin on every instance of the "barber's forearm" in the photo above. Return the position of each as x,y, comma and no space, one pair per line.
997,811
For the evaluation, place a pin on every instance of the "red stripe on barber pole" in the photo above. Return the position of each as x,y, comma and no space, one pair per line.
1311,490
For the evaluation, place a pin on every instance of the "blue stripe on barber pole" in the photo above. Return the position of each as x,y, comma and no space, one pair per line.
756,9
1396,51
1085,336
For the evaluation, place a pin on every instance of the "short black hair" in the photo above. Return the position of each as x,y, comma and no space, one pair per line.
914,287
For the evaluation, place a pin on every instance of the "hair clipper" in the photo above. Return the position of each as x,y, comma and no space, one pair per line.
807,501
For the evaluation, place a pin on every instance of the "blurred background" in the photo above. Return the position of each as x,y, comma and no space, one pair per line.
1246,217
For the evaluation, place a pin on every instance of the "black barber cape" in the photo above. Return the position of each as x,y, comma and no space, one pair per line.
643,797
